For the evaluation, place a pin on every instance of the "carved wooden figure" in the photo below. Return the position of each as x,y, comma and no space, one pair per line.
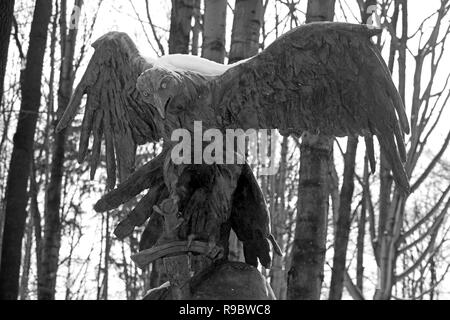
321,77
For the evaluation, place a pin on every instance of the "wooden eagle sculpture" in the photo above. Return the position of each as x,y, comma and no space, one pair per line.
326,78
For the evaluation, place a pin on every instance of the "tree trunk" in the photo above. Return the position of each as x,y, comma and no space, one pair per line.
23,290
365,15
248,16
180,26
19,169
392,203
215,30
308,252
106,258
279,218
196,28
305,276
34,211
362,229
52,227
6,17
343,221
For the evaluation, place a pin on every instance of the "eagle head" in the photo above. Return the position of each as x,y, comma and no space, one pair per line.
158,86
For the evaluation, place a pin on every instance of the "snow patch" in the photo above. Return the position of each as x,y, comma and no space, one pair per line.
185,62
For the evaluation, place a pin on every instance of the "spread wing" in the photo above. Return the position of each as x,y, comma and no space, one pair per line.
250,220
114,108
326,78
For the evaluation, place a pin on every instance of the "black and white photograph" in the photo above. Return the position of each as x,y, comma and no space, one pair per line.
238,151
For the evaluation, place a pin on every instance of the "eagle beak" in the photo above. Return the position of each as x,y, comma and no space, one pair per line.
160,105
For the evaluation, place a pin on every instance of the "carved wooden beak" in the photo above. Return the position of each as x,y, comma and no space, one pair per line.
160,105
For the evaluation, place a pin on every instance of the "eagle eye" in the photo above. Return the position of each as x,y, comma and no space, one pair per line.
164,85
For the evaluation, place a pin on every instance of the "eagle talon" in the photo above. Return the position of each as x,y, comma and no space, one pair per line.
214,251
172,219
168,207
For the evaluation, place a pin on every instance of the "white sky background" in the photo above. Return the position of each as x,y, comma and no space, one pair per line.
121,16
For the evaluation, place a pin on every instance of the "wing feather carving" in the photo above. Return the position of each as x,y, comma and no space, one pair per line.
326,78
114,108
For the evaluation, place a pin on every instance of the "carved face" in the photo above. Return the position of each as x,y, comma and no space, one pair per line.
158,86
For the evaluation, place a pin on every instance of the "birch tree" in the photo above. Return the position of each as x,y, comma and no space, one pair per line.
180,26
52,214
215,30
17,191
308,253
247,22
6,17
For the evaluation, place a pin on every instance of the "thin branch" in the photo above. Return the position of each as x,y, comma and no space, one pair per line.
17,40
428,215
435,225
432,164
143,28
424,254
155,35
351,288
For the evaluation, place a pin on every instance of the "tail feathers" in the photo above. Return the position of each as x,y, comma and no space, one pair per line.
260,249
250,254
257,249
264,253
